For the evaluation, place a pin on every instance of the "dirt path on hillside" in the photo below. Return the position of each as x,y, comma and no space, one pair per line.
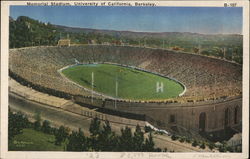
57,116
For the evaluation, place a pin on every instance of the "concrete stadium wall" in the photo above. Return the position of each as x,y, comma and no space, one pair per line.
187,115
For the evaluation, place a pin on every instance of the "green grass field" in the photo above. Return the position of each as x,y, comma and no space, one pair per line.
32,140
131,83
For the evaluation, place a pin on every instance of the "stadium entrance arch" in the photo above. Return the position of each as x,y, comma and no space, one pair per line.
202,122
236,118
226,124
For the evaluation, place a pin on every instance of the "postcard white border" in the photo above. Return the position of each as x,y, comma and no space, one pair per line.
111,155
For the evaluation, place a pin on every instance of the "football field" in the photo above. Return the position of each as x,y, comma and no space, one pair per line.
123,82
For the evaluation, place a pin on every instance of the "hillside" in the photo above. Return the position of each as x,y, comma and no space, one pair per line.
29,32
25,31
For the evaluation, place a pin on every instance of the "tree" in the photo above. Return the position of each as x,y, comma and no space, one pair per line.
211,146
149,144
126,140
203,145
46,127
196,50
107,139
138,139
194,143
94,127
17,122
188,140
95,131
174,137
222,148
148,129
77,141
61,135
28,32
37,123
182,139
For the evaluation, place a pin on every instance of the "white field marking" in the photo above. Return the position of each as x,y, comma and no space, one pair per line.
110,97
80,86
159,87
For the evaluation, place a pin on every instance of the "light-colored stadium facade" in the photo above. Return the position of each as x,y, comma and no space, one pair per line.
207,116
212,102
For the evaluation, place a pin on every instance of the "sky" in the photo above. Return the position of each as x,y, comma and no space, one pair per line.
205,20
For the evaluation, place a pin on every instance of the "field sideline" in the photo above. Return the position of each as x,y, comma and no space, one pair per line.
123,82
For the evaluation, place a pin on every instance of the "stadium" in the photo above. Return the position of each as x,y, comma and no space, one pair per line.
209,101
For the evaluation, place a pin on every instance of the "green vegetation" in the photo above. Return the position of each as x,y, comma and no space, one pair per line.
61,135
211,146
174,137
15,127
132,83
102,138
182,139
47,138
203,145
148,129
27,136
195,143
33,140
29,32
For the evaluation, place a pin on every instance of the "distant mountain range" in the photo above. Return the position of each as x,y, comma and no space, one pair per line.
133,34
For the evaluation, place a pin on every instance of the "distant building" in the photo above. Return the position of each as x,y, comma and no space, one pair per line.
64,42
117,42
92,42
27,24
105,43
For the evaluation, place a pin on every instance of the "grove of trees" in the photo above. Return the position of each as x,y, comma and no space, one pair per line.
101,138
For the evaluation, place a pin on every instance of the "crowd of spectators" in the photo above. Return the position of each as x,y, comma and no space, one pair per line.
203,76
